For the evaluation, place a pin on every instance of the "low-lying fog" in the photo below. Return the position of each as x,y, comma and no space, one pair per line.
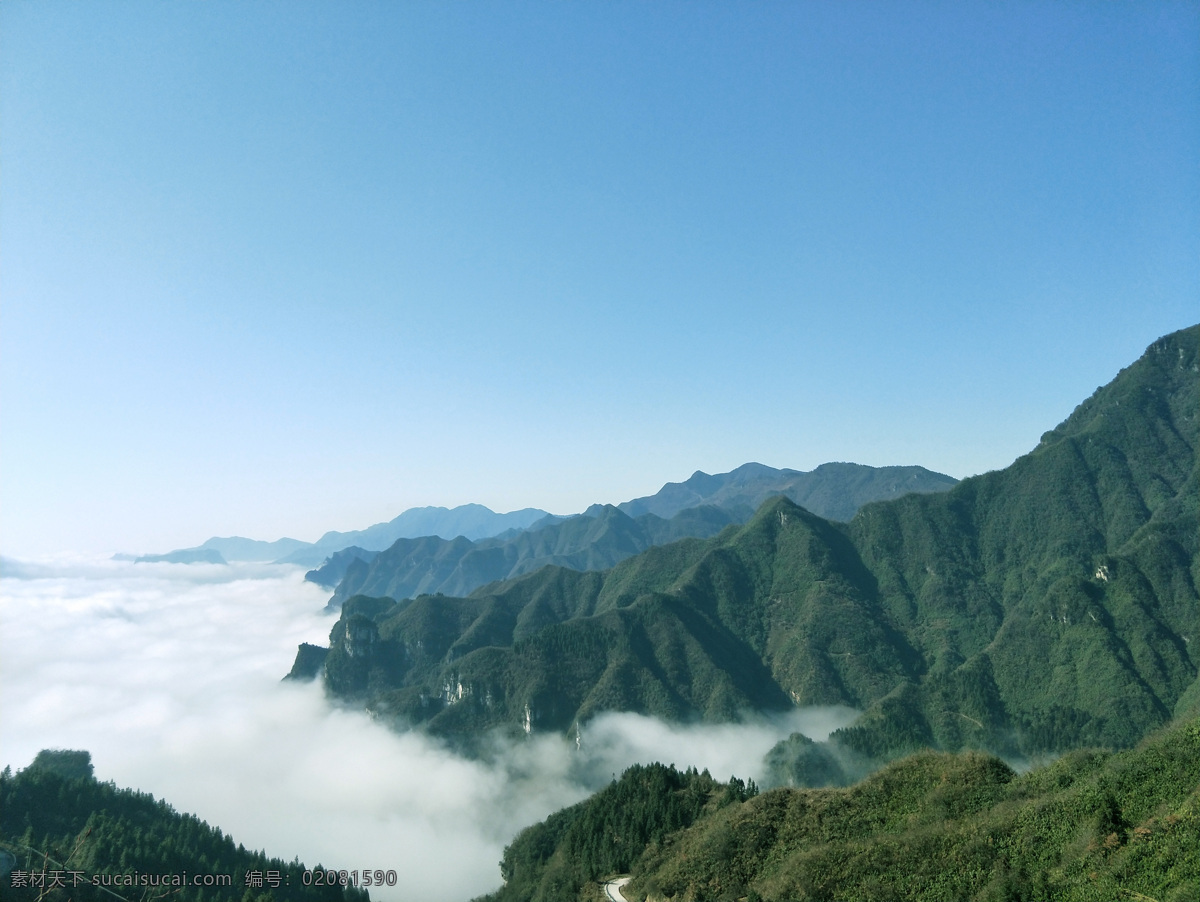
169,675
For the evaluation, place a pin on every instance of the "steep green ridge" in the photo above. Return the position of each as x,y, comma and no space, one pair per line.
55,817
334,567
834,490
932,826
596,541
605,535
1038,608
1061,590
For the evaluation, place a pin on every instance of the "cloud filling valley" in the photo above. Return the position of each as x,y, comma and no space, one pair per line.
169,675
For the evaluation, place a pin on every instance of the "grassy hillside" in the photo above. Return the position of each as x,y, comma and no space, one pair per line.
933,826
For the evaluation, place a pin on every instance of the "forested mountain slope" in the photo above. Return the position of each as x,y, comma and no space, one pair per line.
102,843
597,541
1044,606
933,826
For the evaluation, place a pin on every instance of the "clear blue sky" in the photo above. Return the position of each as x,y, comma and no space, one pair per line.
275,268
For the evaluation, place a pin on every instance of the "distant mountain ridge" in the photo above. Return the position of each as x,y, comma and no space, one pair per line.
471,520
182,556
834,491
605,535
430,565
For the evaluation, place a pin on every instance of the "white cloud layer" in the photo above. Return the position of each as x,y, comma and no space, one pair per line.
170,676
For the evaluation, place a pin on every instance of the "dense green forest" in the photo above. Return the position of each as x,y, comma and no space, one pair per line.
1092,825
1040,608
74,838
607,833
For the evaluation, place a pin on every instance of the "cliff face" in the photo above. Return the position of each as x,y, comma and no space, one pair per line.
309,663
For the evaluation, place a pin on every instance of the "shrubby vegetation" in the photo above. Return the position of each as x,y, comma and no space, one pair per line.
606,834
931,826
56,819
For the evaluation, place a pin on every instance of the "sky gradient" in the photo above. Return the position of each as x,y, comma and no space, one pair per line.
277,268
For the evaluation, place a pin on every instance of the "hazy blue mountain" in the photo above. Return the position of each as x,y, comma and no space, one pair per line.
236,548
471,520
183,556
330,573
834,490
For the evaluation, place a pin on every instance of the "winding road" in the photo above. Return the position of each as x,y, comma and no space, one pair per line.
612,889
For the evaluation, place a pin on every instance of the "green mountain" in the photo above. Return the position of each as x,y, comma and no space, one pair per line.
57,822
593,541
605,535
1038,608
834,490
933,826
333,570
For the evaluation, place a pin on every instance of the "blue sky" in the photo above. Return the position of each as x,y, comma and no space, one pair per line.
276,268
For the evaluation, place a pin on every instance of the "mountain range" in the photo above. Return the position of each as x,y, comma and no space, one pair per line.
1037,608
456,550
471,520
834,490
604,535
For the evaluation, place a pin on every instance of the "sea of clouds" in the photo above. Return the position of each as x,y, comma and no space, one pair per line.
169,675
